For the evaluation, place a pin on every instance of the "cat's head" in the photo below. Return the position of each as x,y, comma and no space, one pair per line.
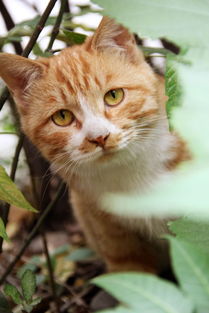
89,104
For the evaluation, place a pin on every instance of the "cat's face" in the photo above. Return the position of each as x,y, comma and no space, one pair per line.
89,104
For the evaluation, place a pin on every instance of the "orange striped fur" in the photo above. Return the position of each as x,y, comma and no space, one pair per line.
121,148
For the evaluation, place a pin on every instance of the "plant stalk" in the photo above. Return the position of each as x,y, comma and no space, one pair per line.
32,233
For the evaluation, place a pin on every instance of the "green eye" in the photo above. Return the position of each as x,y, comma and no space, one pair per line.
114,96
62,118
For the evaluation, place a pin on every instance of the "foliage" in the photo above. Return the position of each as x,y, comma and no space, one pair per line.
187,75
172,87
144,293
25,298
193,231
74,38
3,233
10,194
191,268
182,23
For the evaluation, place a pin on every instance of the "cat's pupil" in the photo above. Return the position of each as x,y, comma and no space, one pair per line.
62,114
113,93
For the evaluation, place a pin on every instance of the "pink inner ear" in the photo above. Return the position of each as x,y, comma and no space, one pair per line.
18,72
111,35
124,38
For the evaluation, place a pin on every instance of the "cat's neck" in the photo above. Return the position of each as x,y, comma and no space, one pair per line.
133,172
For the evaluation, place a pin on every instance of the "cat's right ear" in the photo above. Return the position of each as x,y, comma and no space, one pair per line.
19,72
112,36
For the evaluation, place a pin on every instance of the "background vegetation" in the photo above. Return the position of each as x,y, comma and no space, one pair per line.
184,23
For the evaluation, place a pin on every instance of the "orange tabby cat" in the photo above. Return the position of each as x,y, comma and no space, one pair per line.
97,112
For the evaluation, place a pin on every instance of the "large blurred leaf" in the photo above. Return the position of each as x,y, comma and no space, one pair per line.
196,232
10,194
191,268
144,293
184,193
185,22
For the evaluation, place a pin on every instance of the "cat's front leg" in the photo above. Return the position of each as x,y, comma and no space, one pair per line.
122,248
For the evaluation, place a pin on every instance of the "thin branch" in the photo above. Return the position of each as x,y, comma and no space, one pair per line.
55,30
31,43
4,96
67,7
9,133
50,270
16,156
39,28
32,233
9,25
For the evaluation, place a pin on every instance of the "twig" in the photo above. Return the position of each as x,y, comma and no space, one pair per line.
31,43
55,30
51,273
39,28
9,25
4,96
32,233
8,133
16,156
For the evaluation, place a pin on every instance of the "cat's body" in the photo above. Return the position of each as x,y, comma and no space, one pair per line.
97,112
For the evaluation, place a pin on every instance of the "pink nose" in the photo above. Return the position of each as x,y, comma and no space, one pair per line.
99,141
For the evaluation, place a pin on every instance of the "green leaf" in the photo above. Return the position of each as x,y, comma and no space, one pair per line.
33,22
39,52
190,265
185,22
28,284
147,51
3,233
80,254
28,307
74,38
84,9
12,292
179,195
10,194
144,293
172,87
36,301
33,264
64,249
4,305
192,231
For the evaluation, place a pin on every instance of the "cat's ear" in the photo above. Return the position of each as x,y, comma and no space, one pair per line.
111,35
19,72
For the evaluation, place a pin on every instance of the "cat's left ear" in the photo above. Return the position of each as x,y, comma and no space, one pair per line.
111,35
19,72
